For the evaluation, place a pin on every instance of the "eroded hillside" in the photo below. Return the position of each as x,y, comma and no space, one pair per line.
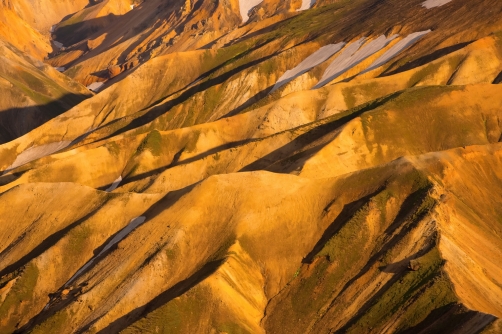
252,167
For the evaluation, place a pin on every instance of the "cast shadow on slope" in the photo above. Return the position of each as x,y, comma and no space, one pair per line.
58,304
450,318
425,59
323,133
347,212
16,122
157,111
77,35
74,33
47,243
165,297
498,79
175,162
406,217
281,159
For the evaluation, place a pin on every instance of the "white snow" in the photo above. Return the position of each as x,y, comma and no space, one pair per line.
119,236
60,69
115,184
53,28
311,61
306,4
434,3
245,6
340,64
37,152
351,56
57,44
396,49
132,6
95,86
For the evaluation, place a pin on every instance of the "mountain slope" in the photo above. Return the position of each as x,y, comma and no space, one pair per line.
253,167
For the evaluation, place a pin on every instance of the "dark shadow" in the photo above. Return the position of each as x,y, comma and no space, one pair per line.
175,162
332,123
157,208
16,122
210,72
450,318
8,178
498,79
143,20
57,303
252,100
157,111
398,268
123,56
407,208
246,36
345,215
74,33
103,74
189,90
165,297
425,59
43,246
298,143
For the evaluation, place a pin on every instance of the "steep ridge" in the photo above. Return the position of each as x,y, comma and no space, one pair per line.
411,198
27,24
253,167
32,93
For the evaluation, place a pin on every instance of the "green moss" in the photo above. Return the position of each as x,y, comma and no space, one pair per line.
426,72
171,254
192,141
351,235
416,295
367,90
55,324
152,143
179,315
72,71
232,328
33,82
77,243
8,155
113,148
19,297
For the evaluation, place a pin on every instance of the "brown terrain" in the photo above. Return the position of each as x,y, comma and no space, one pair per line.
241,167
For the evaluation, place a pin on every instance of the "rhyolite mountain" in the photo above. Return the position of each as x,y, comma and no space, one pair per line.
247,166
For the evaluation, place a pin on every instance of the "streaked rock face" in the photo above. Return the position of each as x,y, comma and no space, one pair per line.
251,167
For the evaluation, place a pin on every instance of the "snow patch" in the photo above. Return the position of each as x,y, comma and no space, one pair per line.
52,29
37,152
118,237
245,6
60,69
353,55
57,44
396,49
306,4
115,184
308,63
434,3
95,86
132,6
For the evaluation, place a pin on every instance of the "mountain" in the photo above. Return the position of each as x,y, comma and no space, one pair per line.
330,166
